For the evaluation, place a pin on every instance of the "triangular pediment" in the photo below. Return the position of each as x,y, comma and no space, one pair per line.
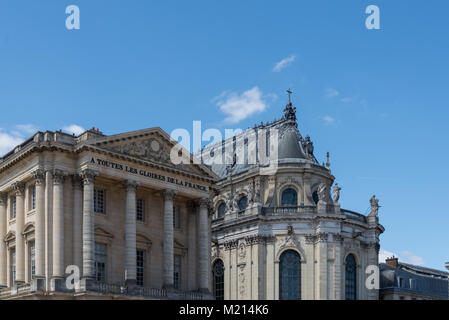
152,145
99,231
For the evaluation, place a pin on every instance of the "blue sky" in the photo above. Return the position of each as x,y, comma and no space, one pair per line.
375,99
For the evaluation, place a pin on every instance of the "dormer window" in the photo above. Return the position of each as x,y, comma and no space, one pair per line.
243,203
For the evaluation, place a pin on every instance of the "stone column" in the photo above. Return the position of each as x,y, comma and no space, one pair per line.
192,243
3,250
77,234
39,236
19,188
168,260
203,246
88,225
130,234
58,225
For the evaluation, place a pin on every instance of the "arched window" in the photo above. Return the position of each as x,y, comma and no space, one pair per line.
315,197
290,276
289,198
351,278
243,202
221,210
218,275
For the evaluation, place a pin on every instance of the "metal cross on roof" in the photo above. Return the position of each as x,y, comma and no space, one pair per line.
289,95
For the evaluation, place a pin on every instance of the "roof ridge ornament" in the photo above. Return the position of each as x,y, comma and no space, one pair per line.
290,111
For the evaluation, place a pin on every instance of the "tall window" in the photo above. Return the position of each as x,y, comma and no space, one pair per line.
289,198
99,197
100,262
218,273
177,272
13,265
14,207
351,278
140,213
176,219
221,210
315,197
243,202
140,263
290,276
32,260
33,197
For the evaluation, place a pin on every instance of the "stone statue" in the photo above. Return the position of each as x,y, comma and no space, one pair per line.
235,203
374,211
322,192
251,193
308,147
336,190
229,203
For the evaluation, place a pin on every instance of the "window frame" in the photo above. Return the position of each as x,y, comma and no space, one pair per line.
96,199
218,280
282,197
104,255
142,213
177,269
140,270
351,282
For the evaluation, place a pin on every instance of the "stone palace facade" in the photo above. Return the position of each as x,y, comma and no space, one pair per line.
114,206
277,233
116,211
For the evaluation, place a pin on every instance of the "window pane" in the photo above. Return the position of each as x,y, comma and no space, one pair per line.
218,273
32,260
99,201
33,197
176,220
140,216
177,272
100,262
289,197
140,263
290,276
351,277
243,202
221,210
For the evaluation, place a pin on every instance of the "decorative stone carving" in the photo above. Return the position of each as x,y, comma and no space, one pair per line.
336,191
374,203
88,176
251,193
130,185
58,177
242,250
3,200
229,245
289,240
308,147
19,188
39,176
323,193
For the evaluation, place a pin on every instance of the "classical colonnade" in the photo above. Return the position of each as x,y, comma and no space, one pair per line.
83,230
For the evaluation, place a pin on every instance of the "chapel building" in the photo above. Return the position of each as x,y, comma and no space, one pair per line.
277,233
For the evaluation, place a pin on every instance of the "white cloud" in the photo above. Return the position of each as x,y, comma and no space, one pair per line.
331,93
284,63
239,107
26,128
8,142
328,120
405,256
412,258
384,255
74,129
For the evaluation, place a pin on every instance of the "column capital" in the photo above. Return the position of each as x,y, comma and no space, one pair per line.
3,199
130,185
204,203
19,188
39,176
88,176
77,182
168,194
58,177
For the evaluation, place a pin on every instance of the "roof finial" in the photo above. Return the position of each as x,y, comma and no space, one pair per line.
328,164
289,91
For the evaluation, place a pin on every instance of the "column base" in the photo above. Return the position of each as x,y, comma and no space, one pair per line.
57,284
87,284
38,283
